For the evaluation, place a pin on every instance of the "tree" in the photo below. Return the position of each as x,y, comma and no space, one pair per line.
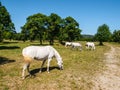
50,28
34,26
53,27
70,30
103,34
1,31
24,35
116,36
6,24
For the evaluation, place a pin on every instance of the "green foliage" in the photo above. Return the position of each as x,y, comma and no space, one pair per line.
1,31
103,34
53,27
70,30
6,24
42,27
34,26
116,36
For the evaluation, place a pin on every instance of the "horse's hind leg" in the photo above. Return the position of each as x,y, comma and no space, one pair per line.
26,66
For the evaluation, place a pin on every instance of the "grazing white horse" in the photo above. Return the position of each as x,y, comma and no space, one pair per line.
42,53
90,45
67,44
76,45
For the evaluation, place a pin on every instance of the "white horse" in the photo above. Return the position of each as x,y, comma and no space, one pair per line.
90,45
42,53
67,44
76,45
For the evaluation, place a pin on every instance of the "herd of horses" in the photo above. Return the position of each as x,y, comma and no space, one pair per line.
89,45
46,53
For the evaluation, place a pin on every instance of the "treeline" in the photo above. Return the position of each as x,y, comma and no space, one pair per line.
42,27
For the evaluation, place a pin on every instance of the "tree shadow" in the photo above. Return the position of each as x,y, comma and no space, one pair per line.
100,45
39,44
10,42
4,60
8,47
35,71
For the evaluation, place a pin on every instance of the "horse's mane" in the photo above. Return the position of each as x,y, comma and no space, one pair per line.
57,55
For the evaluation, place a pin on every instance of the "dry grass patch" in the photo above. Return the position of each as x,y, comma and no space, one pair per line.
79,69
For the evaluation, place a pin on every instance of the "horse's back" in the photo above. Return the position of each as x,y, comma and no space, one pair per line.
76,44
91,43
67,44
37,52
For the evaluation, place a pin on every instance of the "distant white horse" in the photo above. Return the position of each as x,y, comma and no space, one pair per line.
42,53
90,45
76,45
67,44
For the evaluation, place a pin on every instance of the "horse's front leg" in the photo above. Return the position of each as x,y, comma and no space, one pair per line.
42,65
48,64
80,48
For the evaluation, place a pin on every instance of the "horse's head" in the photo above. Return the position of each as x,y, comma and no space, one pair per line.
60,63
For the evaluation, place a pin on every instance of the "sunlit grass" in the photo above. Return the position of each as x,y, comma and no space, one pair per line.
79,68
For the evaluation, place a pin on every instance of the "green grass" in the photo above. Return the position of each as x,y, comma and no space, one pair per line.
79,68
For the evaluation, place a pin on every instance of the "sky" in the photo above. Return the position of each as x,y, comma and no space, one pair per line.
90,14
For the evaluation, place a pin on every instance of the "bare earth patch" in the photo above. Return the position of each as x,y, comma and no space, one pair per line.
110,78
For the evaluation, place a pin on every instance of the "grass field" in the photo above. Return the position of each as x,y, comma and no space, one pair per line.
79,68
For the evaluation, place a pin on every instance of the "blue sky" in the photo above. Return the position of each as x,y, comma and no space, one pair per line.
90,14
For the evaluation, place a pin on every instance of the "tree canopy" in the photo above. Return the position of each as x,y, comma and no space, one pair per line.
7,28
50,28
103,34
70,30
34,27
116,36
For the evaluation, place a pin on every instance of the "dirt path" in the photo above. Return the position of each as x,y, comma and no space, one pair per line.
110,78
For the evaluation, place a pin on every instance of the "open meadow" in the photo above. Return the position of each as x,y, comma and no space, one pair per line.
80,68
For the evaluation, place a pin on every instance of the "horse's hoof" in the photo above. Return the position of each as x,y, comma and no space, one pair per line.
23,78
30,75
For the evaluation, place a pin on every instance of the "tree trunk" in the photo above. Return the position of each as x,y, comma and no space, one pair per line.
40,38
101,43
1,37
51,42
40,41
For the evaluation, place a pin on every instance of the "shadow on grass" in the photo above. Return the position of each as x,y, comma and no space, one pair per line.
39,44
9,42
34,71
8,47
4,60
